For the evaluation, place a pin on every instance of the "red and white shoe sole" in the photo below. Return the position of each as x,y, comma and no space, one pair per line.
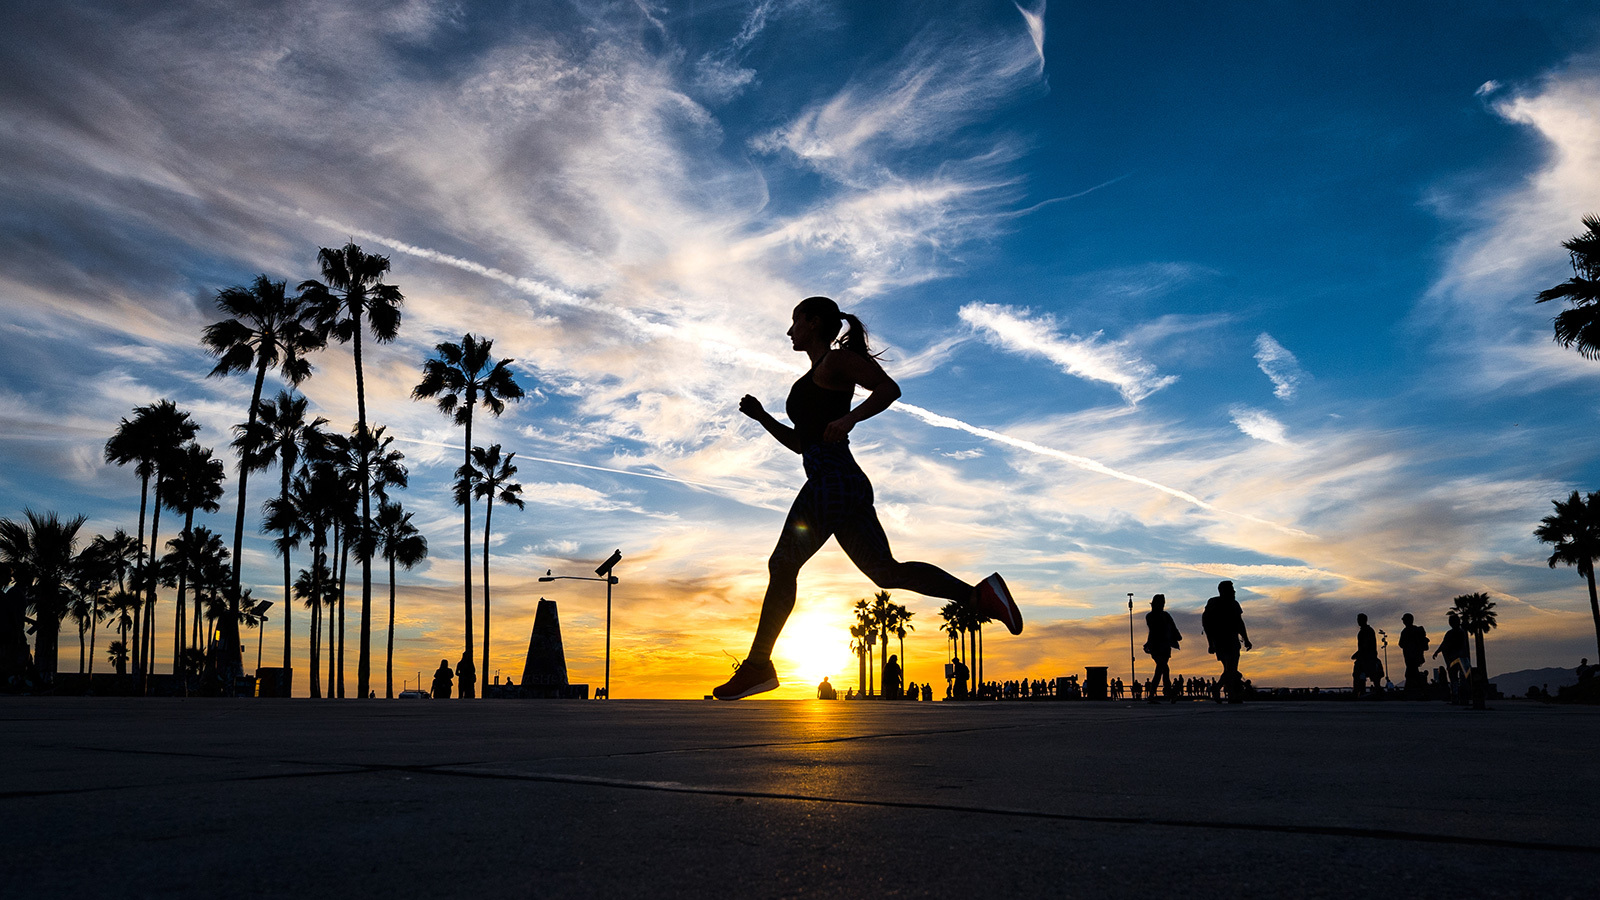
1006,611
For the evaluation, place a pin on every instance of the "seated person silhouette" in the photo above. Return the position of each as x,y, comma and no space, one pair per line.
825,690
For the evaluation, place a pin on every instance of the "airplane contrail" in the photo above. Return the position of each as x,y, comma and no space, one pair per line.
767,362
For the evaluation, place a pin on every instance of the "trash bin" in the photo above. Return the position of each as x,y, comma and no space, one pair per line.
1094,682
274,681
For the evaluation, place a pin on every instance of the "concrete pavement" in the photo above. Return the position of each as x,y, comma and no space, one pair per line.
691,798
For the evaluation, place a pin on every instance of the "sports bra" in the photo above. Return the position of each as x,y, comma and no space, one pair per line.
811,407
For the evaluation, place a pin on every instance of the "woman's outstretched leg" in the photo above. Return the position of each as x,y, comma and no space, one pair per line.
867,546
800,540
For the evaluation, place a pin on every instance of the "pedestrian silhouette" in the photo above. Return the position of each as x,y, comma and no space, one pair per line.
1223,623
1367,665
961,674
468,675
825,690
1457,658
1163,638
836,500
1585,671
891,678
442,677
1414,647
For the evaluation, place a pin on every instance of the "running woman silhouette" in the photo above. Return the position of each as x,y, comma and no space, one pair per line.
836,500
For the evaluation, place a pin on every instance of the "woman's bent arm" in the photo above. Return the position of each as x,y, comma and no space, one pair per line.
785,435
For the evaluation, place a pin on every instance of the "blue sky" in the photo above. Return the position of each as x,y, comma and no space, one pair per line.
1175,293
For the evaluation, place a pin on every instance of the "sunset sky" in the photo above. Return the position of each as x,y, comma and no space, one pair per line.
1175,293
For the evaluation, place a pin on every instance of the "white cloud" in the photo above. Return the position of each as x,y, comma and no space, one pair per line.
1487,88
1279,365
1034,17
1092,358
1259,425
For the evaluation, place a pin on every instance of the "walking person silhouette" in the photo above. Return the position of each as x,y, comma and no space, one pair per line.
836,500
1163,639
1223,623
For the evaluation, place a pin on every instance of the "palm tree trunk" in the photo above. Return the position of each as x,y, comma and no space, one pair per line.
288,572
388,660
483,673
81,648
139,566
364,648
147,639
344,579
978,651
183,584
94,626
466,537
1594,603
314,656
230,628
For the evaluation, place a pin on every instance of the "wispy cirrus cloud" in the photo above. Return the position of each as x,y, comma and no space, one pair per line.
1278,364
1260,425
1093,358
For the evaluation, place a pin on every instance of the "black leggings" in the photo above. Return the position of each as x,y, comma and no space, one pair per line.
836,501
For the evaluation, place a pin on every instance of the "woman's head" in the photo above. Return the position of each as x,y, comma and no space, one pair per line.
820,317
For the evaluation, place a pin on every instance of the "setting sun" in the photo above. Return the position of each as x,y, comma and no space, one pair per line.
815,644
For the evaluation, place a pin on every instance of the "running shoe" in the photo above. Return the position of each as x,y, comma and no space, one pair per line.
748,678
994,602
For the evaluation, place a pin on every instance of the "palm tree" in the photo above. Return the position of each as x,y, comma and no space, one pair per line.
169,430
118,555
461,377
194,483
281,433
1574,531
265,329
352,287
1580,323
117,655
950,624
858,646
491,481
400,542
1477,616
40,553
900,623
142,441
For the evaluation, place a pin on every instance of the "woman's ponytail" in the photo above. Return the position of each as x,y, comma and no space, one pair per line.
855,337
826,311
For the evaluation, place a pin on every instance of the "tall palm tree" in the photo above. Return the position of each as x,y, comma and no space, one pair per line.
858,646
491,481
1477,617
352,288
1580,323
281,433
194,483
1574,531
900,619
40,552
93,572
266,329
400,542
120,555
169,429
950,624
132,443
869,637
459,378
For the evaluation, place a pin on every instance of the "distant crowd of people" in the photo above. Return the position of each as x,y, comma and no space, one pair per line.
1222,623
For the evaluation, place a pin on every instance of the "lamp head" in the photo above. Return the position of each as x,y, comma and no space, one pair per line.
612,560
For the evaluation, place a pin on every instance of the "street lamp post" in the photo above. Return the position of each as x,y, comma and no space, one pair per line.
1133,661
260,611
604,573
